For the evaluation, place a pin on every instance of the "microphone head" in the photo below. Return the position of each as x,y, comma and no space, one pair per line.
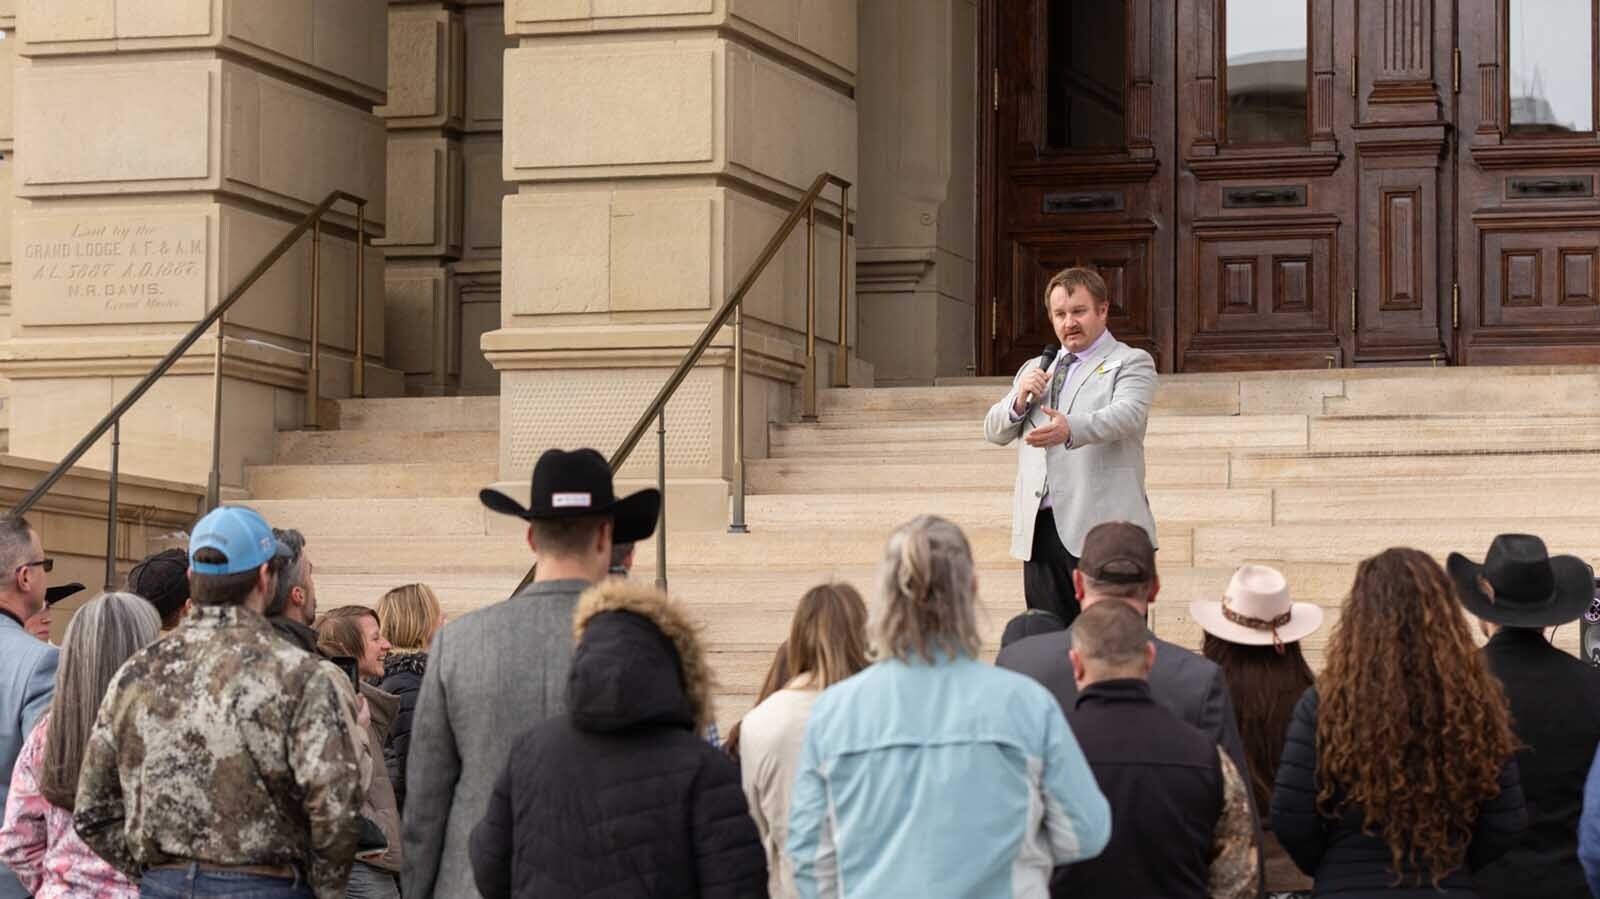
1048,356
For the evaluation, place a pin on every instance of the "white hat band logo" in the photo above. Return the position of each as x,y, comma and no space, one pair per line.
570,501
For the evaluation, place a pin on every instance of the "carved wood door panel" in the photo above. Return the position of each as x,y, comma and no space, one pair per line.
1266,185
1076,156
1529,159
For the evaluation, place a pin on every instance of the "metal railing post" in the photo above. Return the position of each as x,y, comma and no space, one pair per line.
111,508
661,484
808,387
841,374
358,377
314,339
214,479
737,525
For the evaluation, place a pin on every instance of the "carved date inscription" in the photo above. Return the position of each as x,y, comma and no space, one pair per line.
112,269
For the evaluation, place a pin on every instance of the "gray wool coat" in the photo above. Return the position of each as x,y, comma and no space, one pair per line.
491,675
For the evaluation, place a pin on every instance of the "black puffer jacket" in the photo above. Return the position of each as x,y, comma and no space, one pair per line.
619,797
1348,863
402,677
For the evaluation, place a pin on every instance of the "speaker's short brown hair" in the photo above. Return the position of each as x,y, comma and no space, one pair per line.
1079,278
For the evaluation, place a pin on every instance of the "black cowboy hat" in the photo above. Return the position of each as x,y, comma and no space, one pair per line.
1527,586
53,595
577,484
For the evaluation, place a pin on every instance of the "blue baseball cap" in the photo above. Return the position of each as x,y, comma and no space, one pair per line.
240,534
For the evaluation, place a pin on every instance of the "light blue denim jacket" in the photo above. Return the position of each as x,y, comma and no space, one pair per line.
945,779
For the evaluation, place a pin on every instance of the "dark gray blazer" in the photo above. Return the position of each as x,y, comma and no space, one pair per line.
1186,684
491,675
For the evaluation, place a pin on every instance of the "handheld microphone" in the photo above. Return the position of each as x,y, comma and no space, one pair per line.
1045,358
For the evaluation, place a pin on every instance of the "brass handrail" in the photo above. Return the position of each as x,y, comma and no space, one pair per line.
733,309
113,419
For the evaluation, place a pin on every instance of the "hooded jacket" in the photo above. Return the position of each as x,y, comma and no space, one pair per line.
619,796
402,678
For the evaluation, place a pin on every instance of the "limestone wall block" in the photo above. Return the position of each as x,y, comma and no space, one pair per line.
414,295
815,33
487,44
8,86
706,106
482,194
201,124
427,47
425,196
341,45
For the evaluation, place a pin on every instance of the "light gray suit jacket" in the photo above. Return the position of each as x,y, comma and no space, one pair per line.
491,675
1099,475
27,680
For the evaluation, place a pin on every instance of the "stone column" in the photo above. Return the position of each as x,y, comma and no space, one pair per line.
918,234
655,146
163,149
445,187
8,194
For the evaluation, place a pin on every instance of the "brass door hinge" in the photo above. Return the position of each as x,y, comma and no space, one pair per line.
994,319
1352,310
997,89
1455,69
1455,306
1354,61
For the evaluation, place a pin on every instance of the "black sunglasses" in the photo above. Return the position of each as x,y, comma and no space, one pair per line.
49,565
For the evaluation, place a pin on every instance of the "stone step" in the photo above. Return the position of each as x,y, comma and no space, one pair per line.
1173,397
1223,545
942,439
370,480
1248,469
1441,433
1513,504
355,447
420,413
368,517
1171,506
888,474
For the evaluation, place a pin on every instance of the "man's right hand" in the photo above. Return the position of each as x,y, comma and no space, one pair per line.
1033,382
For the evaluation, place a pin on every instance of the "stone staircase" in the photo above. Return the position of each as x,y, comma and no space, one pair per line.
1310,471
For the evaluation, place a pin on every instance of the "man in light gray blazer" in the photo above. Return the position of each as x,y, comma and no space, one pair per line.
27,664
497,671
1082,422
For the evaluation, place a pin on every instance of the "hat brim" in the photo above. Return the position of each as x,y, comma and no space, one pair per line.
1574,591
53,595
1304,619
634,516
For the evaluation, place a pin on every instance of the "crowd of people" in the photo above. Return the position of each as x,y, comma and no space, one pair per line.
210,731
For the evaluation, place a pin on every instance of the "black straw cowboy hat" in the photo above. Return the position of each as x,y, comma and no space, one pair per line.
577,485
1520,584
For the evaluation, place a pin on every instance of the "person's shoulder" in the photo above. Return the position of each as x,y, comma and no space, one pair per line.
24,647
1037,652
1130,355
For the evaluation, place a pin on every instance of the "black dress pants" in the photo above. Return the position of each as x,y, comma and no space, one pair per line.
1047,575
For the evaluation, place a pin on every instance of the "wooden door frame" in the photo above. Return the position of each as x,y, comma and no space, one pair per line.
988,185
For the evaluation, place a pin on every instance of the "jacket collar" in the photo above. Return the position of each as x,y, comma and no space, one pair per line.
563,587
13,616
216,618
1116,691
1521,637
296,633
1088,362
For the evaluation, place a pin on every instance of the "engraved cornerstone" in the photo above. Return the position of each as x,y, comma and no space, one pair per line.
110,268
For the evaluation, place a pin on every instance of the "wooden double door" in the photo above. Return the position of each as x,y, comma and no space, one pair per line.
1274,184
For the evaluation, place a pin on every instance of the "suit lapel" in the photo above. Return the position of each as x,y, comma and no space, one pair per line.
1081,376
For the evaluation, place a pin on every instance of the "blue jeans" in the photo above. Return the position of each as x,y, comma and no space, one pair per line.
192,883
368,882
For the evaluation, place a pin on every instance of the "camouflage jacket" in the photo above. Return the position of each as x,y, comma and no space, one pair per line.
224,744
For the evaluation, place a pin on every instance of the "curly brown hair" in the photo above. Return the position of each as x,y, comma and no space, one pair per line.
1413,729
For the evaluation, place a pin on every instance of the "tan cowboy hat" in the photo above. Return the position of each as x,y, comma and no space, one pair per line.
1256,610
